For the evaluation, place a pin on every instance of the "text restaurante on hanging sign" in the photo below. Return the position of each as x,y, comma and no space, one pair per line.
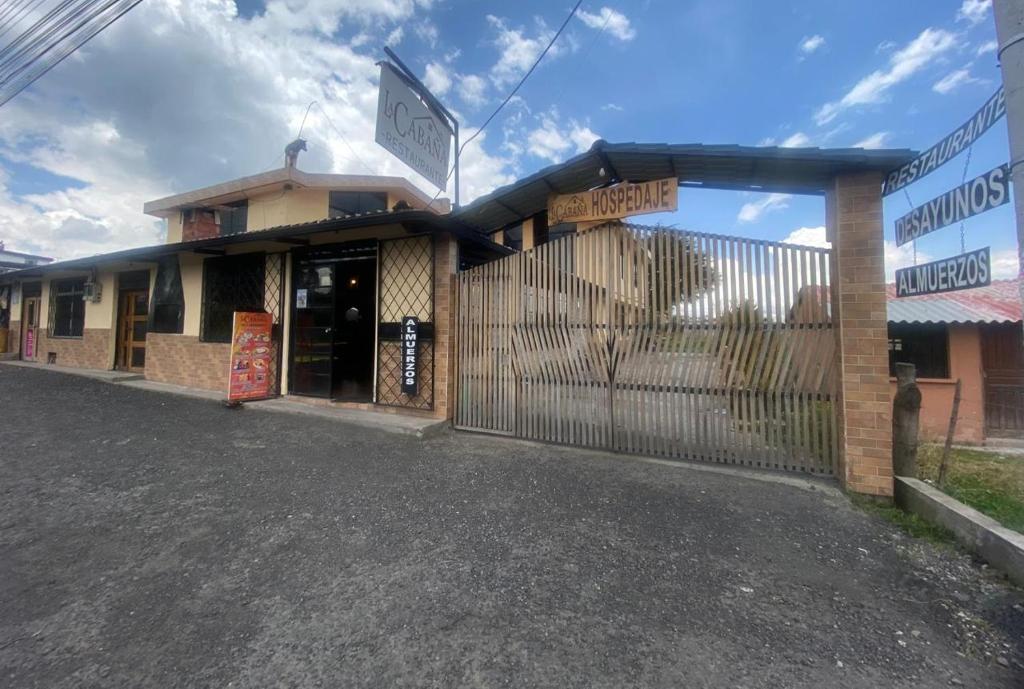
619,201
947,149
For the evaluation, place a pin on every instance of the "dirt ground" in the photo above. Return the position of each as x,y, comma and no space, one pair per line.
149,540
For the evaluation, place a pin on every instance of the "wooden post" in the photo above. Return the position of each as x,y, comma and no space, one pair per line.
949,434
906,412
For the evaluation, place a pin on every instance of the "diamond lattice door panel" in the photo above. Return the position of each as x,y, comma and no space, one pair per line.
406,289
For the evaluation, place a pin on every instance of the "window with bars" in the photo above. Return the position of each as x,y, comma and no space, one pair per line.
234,217
926,345
67,307
230,283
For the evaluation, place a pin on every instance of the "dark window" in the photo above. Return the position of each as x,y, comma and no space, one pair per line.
234,217
167,315
230,283
344,203
926,345
67,309
513,237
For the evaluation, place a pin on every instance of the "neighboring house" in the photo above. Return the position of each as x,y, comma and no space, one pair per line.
15,260
972,335
11,261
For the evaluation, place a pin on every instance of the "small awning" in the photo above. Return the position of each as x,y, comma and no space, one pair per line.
996,303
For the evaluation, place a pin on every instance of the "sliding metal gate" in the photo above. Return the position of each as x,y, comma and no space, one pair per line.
654,341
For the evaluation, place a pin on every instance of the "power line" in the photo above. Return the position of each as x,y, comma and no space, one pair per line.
51,38
511,94
344,138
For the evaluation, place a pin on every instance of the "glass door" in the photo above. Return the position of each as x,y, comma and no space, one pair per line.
312,349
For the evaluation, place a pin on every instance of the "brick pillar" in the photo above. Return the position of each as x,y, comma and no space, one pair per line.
853,208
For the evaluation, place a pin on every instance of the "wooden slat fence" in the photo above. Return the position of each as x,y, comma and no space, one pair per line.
654,341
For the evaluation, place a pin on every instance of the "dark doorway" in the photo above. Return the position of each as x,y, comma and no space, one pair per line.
334,322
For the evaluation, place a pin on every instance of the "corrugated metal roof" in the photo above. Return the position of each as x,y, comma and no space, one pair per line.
760,168
997,303
415,222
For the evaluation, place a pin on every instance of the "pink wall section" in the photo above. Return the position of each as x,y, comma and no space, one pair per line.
937,394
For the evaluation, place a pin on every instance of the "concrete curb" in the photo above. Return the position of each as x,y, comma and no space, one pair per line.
115,377
982,535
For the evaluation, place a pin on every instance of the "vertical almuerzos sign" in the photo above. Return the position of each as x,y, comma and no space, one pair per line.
965,271
410,354
973,197
410,130
947,149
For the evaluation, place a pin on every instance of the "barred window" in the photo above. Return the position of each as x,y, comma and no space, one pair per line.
230,283
234,217
67,308
926,345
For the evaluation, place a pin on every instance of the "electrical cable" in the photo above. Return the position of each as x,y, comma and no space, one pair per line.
458,154
50,39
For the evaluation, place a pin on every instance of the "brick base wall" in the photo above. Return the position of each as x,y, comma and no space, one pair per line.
14,338
93,350
184,360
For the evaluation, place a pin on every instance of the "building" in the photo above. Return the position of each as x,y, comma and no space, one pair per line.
15,260
340,262
973,336
11,261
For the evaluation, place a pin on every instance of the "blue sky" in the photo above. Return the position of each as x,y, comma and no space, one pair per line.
173,98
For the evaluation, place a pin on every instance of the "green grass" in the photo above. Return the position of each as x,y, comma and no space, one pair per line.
911,523
989,482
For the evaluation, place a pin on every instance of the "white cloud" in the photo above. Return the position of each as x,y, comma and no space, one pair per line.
797,140
810,44
808,236
876,140
472,89
554,142
518,51
1004,264
613,107
108,119
954,80
610,21
901,257
903,64
395,37
986,48
437,79
427,32
752,212
974,11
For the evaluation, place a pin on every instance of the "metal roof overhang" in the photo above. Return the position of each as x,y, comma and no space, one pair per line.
414,221
749,168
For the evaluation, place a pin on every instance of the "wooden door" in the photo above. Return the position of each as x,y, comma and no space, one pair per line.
30,328
133,316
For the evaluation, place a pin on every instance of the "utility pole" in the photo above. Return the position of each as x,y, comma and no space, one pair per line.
1009,16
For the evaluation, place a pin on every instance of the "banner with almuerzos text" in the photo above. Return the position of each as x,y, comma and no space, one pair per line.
251,354
965,271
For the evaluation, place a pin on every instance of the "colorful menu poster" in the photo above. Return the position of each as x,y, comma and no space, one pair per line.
250,356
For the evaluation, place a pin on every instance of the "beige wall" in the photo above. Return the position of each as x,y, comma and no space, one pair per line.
192,288
174,227
286,208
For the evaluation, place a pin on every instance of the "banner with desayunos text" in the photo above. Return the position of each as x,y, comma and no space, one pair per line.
251,352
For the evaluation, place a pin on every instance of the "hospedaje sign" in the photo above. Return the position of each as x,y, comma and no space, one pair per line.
617,201
410,130
410,355
971,198
966,271
949,147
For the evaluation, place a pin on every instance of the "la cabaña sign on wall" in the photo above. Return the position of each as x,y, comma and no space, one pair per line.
410,130
618,201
